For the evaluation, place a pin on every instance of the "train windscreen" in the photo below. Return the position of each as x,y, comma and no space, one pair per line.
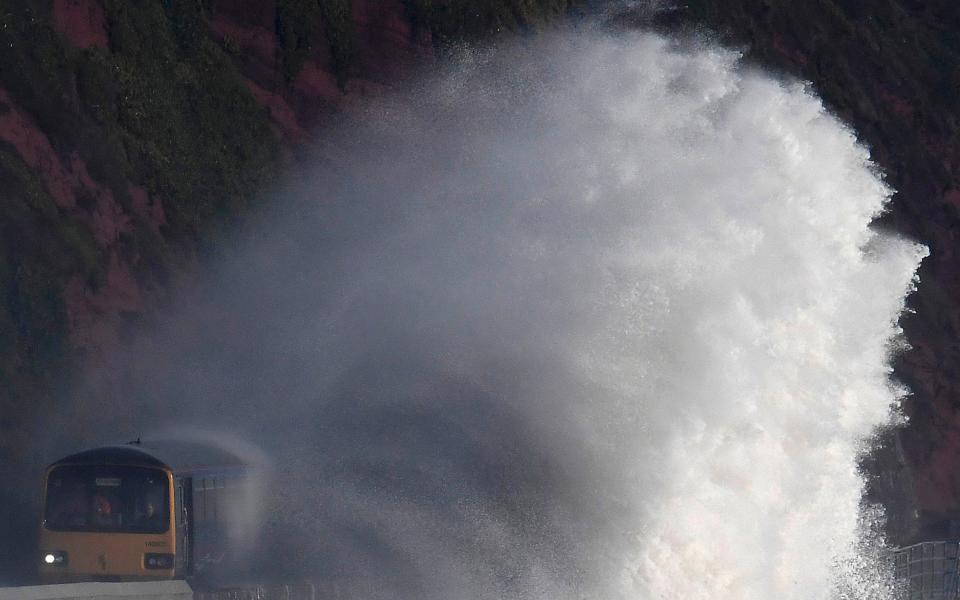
107,498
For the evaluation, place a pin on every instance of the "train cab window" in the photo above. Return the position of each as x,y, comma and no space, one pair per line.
107,498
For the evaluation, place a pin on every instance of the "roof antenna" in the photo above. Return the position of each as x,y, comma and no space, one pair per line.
135,442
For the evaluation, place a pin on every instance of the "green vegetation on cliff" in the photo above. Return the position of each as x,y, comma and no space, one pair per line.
191,131
448,21
458,20
40,251
164,108
297,32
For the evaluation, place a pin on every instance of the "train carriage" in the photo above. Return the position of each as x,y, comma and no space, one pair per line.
142,511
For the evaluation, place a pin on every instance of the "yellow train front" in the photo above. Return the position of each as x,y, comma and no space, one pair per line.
139,512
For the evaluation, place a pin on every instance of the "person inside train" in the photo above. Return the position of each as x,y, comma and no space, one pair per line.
149,515
101,509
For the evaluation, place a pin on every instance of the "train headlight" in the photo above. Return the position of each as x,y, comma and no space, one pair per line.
57,558
157,561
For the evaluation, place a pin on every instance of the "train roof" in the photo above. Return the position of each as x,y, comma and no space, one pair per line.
179,456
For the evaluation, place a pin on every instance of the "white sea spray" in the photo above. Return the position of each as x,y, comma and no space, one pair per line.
591,315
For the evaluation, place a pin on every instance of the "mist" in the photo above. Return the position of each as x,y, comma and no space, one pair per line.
588,315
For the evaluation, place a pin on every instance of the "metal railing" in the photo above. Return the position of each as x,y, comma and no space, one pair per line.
927,571
298,591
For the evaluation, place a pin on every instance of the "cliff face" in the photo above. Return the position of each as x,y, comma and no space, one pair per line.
164,100
135,136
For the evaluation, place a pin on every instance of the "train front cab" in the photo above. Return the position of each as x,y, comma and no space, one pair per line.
111,514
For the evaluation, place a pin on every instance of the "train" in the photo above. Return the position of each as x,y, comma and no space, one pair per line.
153,510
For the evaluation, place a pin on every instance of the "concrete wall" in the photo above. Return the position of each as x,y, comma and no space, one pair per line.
145,590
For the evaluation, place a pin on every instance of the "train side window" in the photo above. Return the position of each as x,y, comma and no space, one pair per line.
198,500
211,498
201,501
214,499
